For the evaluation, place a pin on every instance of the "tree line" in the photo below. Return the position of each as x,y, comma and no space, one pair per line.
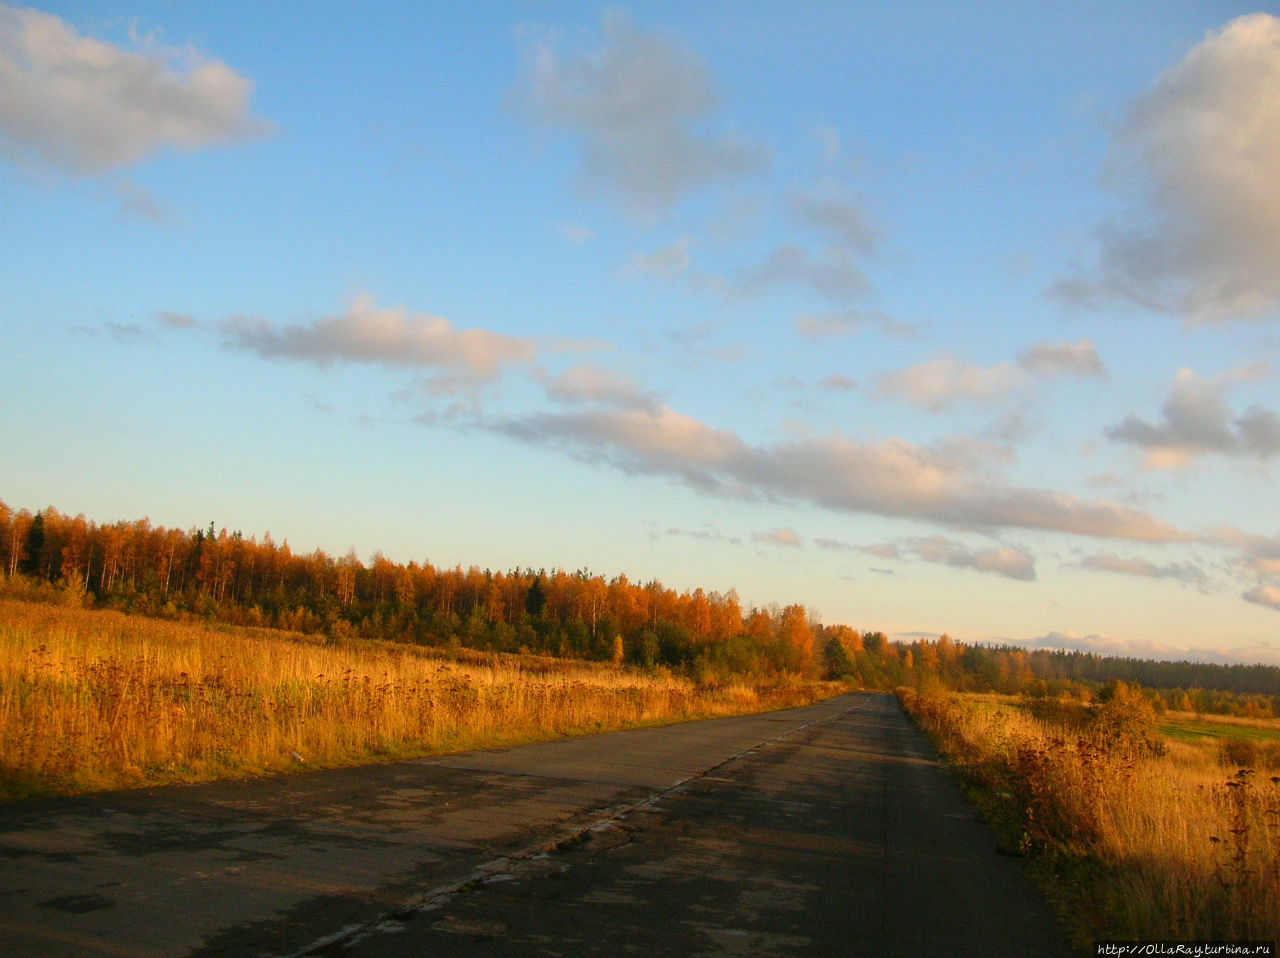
216,575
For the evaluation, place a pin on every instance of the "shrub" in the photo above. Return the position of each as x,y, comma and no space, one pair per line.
1238,753
1125,720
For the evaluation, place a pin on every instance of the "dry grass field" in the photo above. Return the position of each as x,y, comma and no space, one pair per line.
99,700
1140,837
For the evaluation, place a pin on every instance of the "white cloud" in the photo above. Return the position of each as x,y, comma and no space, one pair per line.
831,273
835,545
385,336
704,534
892,477
139,202
658,440
838,383
698,342
786,538
83,106
665,263
589,383
838,215
639,104
1264,595
1006,561
1202,144
173,320
1259,555
1179,571
1196,420
1012,563
129,334
940,383
820,327
1079,359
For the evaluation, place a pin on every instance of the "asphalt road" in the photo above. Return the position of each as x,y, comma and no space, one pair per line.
827,830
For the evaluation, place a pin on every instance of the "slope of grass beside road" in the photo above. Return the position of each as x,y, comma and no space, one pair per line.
101,700
1134,835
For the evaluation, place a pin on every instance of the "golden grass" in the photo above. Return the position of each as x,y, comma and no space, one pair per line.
1227,722
1138,846
99,700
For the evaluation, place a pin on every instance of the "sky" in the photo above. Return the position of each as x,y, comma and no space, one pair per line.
931,317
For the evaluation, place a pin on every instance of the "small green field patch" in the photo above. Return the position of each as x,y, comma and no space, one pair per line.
1192,730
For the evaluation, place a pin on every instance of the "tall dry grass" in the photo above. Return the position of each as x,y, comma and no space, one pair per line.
97,700
1142,843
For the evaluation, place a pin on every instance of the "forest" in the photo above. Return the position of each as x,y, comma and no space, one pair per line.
213,575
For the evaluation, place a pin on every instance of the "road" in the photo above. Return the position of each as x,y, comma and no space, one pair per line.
825,830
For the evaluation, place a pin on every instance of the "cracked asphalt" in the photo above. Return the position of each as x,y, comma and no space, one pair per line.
827,830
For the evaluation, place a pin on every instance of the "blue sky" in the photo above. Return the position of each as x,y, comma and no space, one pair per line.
929,316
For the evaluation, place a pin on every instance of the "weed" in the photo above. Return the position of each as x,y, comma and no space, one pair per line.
1136,838
92,700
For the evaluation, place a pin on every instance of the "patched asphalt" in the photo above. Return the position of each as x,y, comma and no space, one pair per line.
827,830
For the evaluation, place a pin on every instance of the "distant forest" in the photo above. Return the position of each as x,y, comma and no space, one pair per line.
220,576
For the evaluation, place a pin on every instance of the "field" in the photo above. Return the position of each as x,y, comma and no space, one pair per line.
100,700
1139,827
1189,727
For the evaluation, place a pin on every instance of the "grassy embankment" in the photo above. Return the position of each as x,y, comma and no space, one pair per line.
100,700
1138,827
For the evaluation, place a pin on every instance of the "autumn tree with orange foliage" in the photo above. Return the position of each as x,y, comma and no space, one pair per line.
216,574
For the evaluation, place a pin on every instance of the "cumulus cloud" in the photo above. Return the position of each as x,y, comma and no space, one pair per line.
1264,595
830,273
639,104
139,202
835,545
940,383
839,215
1259,556
820,327
388,336
129,334
659,441
1012,563
665,263
85,107
1204,243
883,550
1196,420
892,477
786,538
1079,359
173,320
704,534
589,383
837,383
1005,561
1179,571
1262,557
699,342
